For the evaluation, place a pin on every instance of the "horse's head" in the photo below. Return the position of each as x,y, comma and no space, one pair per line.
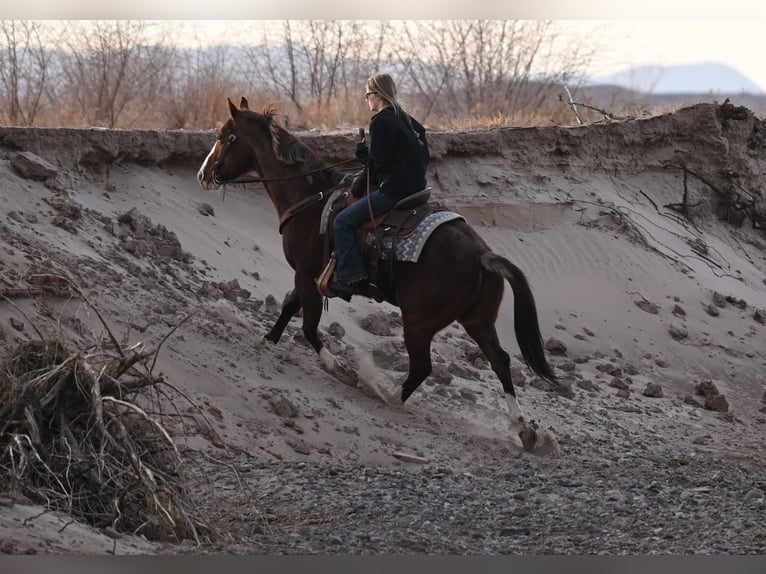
251,141
231,155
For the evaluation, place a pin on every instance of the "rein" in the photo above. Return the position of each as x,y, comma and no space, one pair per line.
294,210
294,176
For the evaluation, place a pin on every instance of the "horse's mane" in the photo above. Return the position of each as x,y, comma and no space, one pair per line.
287,147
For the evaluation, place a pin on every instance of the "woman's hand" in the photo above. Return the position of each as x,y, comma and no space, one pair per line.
362,152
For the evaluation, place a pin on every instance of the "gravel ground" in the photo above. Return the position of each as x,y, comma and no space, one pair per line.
661,504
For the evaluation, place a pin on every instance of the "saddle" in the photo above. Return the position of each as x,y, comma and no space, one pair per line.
398,223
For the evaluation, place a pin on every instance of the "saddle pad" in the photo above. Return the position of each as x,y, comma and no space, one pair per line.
409,248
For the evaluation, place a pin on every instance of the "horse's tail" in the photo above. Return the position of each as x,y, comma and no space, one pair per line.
525,315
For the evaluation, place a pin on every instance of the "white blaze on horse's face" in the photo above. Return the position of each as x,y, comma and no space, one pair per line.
201,173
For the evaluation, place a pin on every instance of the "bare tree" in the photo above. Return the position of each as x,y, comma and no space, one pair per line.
25,64
201,82
318,66
125,73
482,68
109,65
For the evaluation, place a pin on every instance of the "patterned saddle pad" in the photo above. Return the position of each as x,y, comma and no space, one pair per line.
410,247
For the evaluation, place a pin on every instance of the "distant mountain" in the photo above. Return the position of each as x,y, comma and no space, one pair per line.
693,78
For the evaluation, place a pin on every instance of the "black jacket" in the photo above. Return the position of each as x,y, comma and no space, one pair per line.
398,155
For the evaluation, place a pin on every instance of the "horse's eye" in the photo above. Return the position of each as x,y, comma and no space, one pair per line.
232,138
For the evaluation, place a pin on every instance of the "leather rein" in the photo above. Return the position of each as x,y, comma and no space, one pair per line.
305,203
294,176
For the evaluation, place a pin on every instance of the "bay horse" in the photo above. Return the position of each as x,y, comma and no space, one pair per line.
457,277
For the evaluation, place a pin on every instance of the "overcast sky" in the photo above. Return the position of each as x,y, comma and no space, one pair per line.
669,32
671,42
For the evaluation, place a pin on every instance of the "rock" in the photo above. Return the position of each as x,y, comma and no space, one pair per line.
712,310
206,209
587,385
518,377
630,369
739,303
618,383
609,369
556,347
717,403
706,389
568,367
16,324
283,407
336,330
678,311
377,324
271,305
463,372
541,384
690,400
653,390
31,166
298,446
677,332
648,307
719,300
232,291
440,375
564,388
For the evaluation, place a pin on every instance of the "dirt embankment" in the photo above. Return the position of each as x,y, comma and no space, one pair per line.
720,146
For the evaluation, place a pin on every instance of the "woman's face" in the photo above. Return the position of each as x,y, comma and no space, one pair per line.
375,102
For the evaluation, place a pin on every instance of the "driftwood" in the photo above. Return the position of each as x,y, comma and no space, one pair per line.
79,434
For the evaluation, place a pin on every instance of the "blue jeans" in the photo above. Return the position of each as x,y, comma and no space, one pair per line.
351,266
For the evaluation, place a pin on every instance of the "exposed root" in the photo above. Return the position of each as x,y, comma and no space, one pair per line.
76,439
84,433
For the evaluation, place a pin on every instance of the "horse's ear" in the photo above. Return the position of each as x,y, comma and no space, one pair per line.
243,103
232,108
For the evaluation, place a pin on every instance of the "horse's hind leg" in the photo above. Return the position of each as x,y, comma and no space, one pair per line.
536,441
290,308
487,339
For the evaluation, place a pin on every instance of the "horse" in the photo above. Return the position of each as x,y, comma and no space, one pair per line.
456,278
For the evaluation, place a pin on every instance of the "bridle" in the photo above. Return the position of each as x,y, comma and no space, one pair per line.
216,178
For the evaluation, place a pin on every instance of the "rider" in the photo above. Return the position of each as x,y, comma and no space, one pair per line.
398,155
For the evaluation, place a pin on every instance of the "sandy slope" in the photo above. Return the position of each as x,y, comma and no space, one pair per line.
625,284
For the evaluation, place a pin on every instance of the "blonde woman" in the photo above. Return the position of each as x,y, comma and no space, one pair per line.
397,159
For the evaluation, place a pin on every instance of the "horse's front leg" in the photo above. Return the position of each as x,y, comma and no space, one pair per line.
311,303
290,308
